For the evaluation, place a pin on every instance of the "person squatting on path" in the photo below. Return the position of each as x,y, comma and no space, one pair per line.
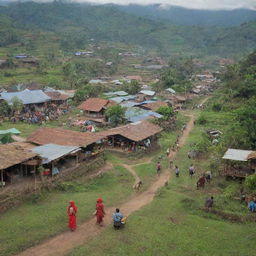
177,171
191,170
158,168
72,210
117,218
100,211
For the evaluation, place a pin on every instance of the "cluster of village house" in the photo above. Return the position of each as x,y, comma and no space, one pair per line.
56,149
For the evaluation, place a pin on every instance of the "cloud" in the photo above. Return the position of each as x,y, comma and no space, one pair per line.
194,4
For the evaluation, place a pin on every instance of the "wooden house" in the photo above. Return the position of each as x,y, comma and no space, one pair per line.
95,107
239,163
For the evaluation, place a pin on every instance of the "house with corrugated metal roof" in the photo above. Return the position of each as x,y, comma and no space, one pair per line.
27,97
239,163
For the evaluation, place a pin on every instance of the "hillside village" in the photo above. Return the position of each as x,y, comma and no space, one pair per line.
157,122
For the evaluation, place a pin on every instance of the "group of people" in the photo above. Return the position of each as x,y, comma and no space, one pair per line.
118,218
33,115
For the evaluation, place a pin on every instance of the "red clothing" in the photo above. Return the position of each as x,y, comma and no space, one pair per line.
72,210
100,211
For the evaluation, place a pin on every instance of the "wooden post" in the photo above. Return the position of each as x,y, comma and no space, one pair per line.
2,178
52,167
35,177
21,171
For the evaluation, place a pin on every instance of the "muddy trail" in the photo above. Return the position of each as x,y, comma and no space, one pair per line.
64,242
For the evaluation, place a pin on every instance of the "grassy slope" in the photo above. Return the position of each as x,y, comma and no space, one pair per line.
173,223
47,216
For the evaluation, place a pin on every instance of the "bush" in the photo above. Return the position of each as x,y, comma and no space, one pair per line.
115,114
216,107
202,120
166,112
231,190
250,182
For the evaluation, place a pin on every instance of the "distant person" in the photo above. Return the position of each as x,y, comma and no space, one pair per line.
201,182
177,171
72,210
117,218
138,185
167,152
191,170
171,163
242,195
100,211
209,203
252,206
208,176
158,168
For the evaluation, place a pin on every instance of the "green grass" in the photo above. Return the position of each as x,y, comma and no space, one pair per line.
25,129
39,219
173,224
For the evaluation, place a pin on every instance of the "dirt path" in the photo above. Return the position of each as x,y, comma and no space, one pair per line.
64,242
134,174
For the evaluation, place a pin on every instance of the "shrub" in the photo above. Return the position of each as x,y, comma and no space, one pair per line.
202,120
216,107
250,182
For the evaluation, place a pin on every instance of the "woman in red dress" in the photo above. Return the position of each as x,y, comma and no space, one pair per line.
72,210
100,211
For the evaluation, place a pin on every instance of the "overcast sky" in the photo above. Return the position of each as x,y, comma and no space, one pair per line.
197,4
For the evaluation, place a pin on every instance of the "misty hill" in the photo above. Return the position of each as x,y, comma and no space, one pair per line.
73,24
191,17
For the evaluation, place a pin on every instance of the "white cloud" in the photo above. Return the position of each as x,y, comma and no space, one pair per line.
195,4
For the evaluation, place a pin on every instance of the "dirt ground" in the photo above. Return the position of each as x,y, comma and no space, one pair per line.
64,242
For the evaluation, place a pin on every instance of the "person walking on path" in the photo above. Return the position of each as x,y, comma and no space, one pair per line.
72,210
158,168
191,170
100,211
167,152
209,203
177,171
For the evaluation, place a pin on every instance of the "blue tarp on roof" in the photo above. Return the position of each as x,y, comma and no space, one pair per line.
124,98
12,131
138,114
148,92
129,104
117,99
26,96
50,152
118,93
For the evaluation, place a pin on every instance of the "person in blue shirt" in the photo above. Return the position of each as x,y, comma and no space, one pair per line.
117,218
252,206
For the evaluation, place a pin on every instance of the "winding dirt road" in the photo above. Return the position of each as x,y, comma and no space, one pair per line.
64,242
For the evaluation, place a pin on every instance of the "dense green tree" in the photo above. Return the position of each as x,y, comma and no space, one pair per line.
246,117
166,111
115,114
16,104
87,91
5,109
131,88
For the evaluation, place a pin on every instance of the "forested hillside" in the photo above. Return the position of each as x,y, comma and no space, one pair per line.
74,24
189,17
